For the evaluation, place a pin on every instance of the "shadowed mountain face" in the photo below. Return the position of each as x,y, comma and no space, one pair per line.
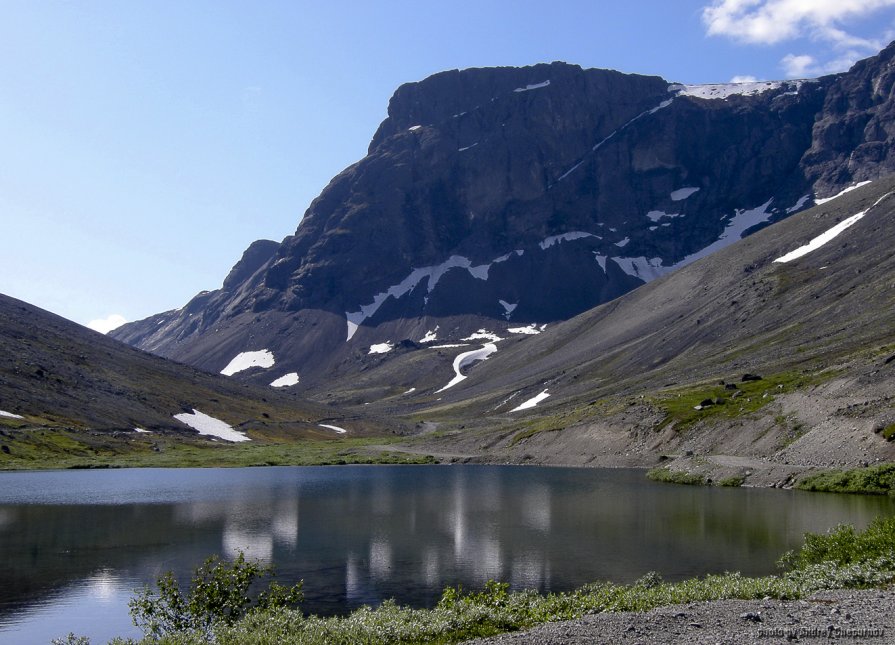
497,198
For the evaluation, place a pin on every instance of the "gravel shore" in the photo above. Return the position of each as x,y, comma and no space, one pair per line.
852,616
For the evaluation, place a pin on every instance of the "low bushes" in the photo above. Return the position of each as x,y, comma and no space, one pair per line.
841,558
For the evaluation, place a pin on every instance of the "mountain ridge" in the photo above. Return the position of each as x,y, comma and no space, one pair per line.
499,197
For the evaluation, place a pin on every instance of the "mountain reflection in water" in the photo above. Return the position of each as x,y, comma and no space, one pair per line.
75,545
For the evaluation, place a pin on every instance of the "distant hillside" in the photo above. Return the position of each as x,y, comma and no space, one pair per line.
58,376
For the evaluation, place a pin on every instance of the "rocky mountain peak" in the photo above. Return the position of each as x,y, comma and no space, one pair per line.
498,197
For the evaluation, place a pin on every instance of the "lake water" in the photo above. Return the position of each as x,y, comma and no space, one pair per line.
74,545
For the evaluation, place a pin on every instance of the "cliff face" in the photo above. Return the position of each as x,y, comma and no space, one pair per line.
503,197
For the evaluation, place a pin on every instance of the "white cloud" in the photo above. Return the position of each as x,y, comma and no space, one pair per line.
798,66
805,66
773,21
105,325
768,22
746,78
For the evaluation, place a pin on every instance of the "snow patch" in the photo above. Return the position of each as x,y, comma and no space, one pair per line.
413,389
601,260
824,200
599,144
683,193
261,358
826,236
651,268
531,329
286,380
336,428
564,237
381,348
480,272
483,334
449,346
532,402
726,90
466,358
352,326
798,205
508,308
535,86
570,171
657,215
10,415
142,431
206,425
433,273
623,243
465,148
664,104
414,128
742,221
641,267
430,336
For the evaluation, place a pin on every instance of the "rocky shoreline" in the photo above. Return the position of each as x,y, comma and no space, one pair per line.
846,615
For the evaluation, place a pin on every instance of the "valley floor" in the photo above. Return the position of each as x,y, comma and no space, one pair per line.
846,422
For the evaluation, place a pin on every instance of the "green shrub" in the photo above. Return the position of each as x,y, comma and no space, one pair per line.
842,558
218,593
875,480
843,545
667,475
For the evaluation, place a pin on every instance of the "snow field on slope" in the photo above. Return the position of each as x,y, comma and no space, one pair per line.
246,360
206,425
286,380
532,402
381,348
827,235
467,358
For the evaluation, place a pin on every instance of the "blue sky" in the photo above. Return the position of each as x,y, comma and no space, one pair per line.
146,144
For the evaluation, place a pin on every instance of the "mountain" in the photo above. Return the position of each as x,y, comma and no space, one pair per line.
770,357
497,199
66,388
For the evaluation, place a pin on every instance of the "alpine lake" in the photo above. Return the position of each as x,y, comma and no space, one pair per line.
75,546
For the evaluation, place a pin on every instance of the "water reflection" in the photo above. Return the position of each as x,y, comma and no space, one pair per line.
75,545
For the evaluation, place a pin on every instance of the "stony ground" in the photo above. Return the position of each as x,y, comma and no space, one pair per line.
848,616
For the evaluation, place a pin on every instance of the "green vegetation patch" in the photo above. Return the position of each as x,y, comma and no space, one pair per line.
667,475
874,480
842,558
888,433
734,481
44,448
686,406
843,546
